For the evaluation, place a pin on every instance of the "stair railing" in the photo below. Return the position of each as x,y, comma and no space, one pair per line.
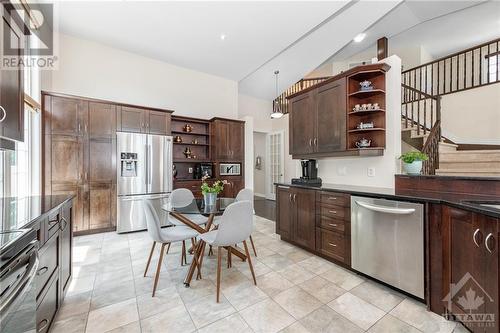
431,148
419,110
467,69
295,88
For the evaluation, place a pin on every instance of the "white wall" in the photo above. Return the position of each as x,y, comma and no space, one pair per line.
472,116
259,149
258,109
91,69
354,170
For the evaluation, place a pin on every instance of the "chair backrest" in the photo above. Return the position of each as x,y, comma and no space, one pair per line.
181,197
152,220
236,224
245,194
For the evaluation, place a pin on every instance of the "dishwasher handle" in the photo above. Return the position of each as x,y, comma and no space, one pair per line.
388,210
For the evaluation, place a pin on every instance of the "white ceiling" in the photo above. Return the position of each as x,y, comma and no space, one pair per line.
187,34
440,27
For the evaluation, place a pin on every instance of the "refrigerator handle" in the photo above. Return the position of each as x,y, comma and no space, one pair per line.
169,164
150,166
146,167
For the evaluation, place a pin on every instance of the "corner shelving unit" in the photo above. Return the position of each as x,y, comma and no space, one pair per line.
355,96
200,151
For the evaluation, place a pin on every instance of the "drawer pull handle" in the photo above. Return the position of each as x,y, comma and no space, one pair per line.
332,198
42,271
486,242
333,211
331,244
332,224
51,223
474,237
42,325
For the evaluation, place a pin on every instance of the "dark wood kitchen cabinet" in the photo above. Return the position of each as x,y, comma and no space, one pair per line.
100,202
232,187
102,120
228,140
471,263
296,214
302,123
141,120
65,116
12,80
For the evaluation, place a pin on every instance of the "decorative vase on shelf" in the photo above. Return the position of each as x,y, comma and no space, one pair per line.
210,198
414,168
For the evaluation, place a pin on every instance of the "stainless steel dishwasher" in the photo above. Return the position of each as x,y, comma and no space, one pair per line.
387,242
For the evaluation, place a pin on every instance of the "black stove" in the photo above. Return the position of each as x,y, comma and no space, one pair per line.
14,241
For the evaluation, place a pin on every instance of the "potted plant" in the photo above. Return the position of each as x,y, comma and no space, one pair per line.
210,192
412,162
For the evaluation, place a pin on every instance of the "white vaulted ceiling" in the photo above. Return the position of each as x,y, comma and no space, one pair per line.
188,34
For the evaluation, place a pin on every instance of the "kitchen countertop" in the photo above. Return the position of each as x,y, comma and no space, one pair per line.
388,193
20,212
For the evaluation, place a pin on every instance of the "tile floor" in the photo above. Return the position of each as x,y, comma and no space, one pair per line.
295,292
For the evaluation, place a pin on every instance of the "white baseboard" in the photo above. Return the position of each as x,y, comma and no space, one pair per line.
259,195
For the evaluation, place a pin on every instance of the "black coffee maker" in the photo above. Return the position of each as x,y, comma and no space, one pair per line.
309,173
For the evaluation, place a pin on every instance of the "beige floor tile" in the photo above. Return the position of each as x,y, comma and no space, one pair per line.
392,324
144,285
112,316
266,317
263,251
276,261
197,289
175,320
206,310
75,305
73,324
297,302
241,298
295,274
258,267
81,285
342,277
112,293
273,283
164,300
382,297
230,324
415,314
134,327
324,290
325,320
297,255
296,327
357,310
316,265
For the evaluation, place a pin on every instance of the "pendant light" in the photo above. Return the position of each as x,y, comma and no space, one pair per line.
277,112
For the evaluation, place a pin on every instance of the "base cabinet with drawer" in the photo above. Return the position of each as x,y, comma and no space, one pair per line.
55,253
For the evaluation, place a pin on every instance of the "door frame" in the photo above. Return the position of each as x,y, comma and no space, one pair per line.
269,183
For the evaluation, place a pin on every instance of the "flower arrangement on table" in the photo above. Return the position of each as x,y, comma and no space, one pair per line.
210,192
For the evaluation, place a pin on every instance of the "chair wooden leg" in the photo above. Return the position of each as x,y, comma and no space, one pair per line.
157,276
210,251
249,261
149,259
253,246
168,247
229,263
200,262
183,253
219,259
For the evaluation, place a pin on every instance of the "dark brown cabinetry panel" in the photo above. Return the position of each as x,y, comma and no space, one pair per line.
78,204
49,263
159,122
302,123
11,83
236,139
66,255
331,117
303,231
100,200
331,244
101,161
66,159
102,120
132,119
284,211
46,311
228,140
66,116
232,187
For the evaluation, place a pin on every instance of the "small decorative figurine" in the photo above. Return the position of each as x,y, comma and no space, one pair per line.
363,143
187,152
366,85
187,128
195,141
177,139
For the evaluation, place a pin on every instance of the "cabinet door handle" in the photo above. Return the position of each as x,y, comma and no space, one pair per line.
290,197
42,270
42,324
332,224
332,211
332,198
85,128
4,114
86,176
79,127
486,242
331,244
310,142
51,223
315,141
474,237
295,198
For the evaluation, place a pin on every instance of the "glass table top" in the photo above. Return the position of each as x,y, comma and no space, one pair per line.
197,206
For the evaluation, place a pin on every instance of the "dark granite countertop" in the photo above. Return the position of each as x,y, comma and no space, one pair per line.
20,212
388,193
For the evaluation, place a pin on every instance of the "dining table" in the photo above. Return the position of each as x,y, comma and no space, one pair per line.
183,211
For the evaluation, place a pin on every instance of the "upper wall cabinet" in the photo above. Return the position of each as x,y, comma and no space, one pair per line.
228,140
319,115
138,120
65,116
11,80
102,120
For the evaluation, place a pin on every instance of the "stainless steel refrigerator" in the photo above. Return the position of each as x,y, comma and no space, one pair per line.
144,171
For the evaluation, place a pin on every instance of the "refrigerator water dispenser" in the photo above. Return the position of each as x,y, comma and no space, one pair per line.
128,164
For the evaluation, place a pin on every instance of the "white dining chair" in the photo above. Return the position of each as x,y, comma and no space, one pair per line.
183,197
163,236
235,226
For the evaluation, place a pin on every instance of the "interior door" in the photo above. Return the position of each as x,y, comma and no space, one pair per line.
331,117
275,166
303,232
102,120
302,120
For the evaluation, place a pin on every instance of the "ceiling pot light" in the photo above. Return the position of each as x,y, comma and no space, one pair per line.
277,112
222,37
359,37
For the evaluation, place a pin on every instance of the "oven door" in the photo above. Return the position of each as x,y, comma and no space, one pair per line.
18,293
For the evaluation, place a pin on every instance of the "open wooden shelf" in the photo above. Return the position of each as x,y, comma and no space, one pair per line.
190,160
190,133
191,144
364,112
358,130
367,92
